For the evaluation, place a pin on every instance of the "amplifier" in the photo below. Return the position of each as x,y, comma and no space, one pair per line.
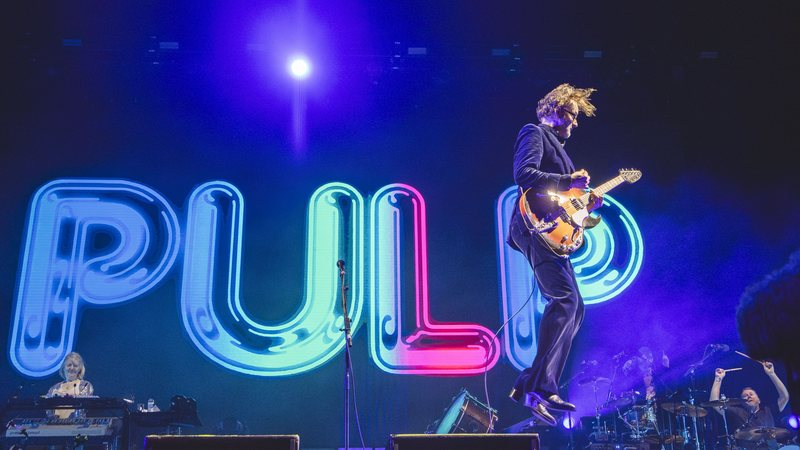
522,441
210,442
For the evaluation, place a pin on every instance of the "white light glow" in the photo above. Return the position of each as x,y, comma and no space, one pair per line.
299,67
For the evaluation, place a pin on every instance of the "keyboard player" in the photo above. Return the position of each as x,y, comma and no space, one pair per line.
72,371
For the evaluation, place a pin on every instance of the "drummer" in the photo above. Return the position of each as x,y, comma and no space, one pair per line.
753,414
645,366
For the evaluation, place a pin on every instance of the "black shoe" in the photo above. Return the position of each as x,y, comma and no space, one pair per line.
552,401
541,413
555,402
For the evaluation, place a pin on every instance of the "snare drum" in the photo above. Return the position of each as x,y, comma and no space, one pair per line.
790,447
466,415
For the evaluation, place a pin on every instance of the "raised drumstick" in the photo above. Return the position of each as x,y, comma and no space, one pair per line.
732,370
748,357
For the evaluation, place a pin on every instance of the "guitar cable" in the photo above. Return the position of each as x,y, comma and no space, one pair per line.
486,361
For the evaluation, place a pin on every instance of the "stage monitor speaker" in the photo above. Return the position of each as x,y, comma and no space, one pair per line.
527,441
210,442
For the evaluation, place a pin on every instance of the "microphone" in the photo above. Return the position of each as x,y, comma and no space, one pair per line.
719,347
340,265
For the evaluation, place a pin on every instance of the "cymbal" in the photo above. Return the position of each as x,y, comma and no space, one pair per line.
641,406
757,434
684,409
630,394
616,403
723,403
593,380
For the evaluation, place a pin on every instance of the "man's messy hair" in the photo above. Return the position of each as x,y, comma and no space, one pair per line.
565,93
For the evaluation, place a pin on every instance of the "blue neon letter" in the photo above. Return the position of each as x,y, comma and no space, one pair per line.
605,266
96,242
211,306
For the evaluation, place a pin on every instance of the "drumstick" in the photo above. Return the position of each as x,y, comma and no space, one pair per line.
750,358
732,370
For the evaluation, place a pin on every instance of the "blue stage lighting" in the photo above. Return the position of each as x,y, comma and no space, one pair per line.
299,67
568,422
793,422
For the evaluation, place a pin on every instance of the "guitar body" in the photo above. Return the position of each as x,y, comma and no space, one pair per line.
553,219
560,218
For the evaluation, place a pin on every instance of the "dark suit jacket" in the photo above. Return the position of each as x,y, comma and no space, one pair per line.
540,163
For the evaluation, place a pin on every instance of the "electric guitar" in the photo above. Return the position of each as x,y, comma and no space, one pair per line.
559,218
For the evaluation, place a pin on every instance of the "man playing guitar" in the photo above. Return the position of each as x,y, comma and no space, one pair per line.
541,165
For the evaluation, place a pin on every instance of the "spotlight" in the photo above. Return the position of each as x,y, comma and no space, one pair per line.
568,422
793,422
299,67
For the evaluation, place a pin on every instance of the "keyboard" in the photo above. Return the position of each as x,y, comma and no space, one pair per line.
55,427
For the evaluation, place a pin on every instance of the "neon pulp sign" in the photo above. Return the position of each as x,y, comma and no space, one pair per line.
99,242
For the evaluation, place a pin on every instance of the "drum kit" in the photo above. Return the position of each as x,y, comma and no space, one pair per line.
630,419
634,419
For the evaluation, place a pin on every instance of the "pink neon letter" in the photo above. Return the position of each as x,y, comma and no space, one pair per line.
431,348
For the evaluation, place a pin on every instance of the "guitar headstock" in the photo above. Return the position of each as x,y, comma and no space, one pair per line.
630,175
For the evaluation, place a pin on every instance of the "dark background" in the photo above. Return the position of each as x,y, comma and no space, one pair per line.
699,95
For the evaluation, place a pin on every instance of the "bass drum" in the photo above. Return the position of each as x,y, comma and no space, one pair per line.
466,415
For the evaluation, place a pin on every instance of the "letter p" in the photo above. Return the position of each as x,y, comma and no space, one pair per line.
98,242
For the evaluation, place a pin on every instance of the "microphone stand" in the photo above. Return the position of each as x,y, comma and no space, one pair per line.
347,364
691,373
707,352
728,440
617,359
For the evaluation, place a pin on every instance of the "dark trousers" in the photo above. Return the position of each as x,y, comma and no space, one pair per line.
562,316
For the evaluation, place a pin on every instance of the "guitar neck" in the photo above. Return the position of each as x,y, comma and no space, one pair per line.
609,185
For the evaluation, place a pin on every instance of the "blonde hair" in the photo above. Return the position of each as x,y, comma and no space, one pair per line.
77,356
563,95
